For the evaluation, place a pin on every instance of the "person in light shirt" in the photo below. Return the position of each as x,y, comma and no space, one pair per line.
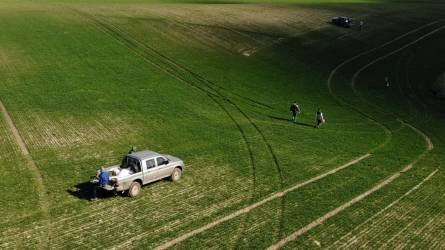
319,118
295,110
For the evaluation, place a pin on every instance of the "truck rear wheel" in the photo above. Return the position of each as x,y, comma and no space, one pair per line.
134,189
176,175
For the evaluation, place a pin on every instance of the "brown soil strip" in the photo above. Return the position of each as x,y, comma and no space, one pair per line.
13,129
246,209
387,207
40,187
427,139
339,209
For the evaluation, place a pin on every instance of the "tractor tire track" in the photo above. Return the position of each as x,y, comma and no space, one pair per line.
168,61
217,93
211,85
408,93
342,102
341,65
294,236
247,209
413,96
380,229
38,178
378,59
406,227
430,146
376,230
278,169
208,84
392,204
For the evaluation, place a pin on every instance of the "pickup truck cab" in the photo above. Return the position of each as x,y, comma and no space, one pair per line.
140,168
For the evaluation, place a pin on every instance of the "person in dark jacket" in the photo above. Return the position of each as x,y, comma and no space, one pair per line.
295,110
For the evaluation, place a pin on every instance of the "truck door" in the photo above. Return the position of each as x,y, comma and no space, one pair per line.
150,171
163,167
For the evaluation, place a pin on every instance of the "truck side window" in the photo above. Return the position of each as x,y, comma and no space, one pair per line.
150,163
160,161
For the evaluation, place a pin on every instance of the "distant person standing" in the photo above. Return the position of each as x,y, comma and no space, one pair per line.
132,150
361,24
386,81
295,110
319,119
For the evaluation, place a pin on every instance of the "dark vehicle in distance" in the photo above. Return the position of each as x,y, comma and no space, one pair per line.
342,21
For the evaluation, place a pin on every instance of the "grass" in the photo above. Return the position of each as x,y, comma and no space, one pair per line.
85,81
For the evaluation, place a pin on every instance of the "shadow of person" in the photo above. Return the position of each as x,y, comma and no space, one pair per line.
290,120
279,118
304,124
85,191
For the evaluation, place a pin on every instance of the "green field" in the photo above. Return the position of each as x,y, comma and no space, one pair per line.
211,82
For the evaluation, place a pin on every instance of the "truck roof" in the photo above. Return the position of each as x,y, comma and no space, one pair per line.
141,155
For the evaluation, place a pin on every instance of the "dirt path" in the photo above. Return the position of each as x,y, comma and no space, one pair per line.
249,208
425,137
339,209
385,209
40,187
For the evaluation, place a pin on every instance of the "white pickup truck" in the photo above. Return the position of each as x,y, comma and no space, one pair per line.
140,168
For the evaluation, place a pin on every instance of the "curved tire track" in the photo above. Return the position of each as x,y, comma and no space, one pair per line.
247,209
171,67
213,93
429,147
395,202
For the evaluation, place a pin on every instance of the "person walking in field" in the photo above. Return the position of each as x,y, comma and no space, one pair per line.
295,110
319,119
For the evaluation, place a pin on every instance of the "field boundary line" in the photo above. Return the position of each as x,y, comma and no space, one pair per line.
251,207
390,205
38,178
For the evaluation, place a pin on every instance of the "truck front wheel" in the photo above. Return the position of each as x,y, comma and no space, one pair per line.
134,189
176,174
